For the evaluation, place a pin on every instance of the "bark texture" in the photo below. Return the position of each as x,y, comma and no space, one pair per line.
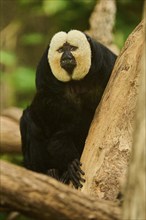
108,146
42,197
102,21
13,113
135,192
9,136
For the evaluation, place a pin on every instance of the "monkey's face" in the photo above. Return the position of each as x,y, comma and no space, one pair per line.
69,56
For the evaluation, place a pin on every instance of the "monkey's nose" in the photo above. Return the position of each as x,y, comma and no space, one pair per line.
68,64
67,61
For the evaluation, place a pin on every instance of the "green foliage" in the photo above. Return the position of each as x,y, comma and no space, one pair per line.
16,159
24,3
32,39
52,7
7,58
4,216
23,79
129,14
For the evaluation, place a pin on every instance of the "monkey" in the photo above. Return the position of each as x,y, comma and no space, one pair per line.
70,80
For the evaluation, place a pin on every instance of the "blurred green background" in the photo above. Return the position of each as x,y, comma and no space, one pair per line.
26,27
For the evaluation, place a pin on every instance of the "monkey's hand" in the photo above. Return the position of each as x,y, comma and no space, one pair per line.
53,173
73,174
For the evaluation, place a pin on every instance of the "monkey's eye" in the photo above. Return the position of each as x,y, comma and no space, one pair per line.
60,50
73,48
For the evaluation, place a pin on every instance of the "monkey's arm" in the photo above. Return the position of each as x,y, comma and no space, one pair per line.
64,157
55,155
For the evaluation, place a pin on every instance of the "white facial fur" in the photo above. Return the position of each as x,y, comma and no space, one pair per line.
82,55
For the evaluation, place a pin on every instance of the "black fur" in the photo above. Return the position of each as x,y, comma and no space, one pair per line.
54,127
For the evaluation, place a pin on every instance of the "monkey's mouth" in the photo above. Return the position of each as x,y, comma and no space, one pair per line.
68,65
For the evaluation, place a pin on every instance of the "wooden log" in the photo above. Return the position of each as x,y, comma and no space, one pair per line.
108,146
13,113
45,198
10,141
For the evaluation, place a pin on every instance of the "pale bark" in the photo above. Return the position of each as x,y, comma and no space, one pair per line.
10,141
135,189
102,21
42,197
13,113
108,146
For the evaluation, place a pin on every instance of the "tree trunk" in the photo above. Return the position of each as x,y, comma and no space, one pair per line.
42,197
102,21
135,192
108,146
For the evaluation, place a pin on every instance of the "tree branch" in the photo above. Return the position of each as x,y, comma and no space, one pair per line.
13,113
102,21
108,146
135,190
10,136
42,197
